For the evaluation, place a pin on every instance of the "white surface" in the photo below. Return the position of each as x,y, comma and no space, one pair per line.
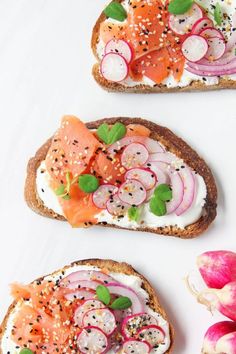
45,64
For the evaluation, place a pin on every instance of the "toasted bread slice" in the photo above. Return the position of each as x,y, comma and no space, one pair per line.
224,83
173,144
107,266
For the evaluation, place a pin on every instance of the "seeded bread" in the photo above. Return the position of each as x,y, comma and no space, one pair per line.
110,266
172,143
119,87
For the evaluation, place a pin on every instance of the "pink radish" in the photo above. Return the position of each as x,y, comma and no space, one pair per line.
177,192
92,340
227,344
211,32
121,47
212,72
160,169
134,155
201,24
194,47
86,306
165,157
80,294
151,145
188,180
114,67
228,58
123,290
232,39
116,207
145,176
102,194
216,48
214,333
88,284
132,346
132,192
132,324
152,334
87,275
182,24
101,318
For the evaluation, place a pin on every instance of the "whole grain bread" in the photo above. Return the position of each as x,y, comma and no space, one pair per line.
173,144
110,266
119,87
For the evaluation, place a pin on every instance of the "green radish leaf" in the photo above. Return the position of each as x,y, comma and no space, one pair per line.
117,132
88,183
103,132
157,206
218,14
163,192
121,303
116,11
60,190
179,7
134,213
103,294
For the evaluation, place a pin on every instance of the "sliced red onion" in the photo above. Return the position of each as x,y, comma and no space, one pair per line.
132,324
202,24
134,155
102,318
86,306
210,73
182,24
189,190
152,334
151,145
123,290
92,340
80,295
132,192
228,58
216,48
116,207
87,275
177,192
132,346
143,175
121,47
194,47
211,32
114,67
102,195
88,284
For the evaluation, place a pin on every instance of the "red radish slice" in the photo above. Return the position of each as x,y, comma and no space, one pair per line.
102,194
210,73
189,190
151,145
87,275
132,346
165,157
80,295
145,176
114,67
132,324
116,207
92,340
232,39
202,24
120,315
123,290
177,192
228,58
216,48
211,32
182,24
121,47
88,284
194,48
101,318
160,169
152,334
85,307
132,192
134,155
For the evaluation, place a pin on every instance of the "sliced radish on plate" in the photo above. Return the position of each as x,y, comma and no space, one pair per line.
132,346
134,155
160,170
211,32
114,67
88,284
216,48
177,192
182,24
201,24
123,290
188,179
102,318
194,47
121,47
87,275
85,307
231,43
165,157
92,340
102,194
116,207
145,176
80,295
151,145
152,334
132,324
132,192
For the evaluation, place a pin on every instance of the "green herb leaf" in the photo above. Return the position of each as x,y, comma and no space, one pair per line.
218,14
117,132
26,351
134,213
157,206
116,11
163,192
60,190
66,197
103,132
103,294
88,183
121,303
179,7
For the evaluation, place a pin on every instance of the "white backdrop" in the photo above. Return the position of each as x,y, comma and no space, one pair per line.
45,65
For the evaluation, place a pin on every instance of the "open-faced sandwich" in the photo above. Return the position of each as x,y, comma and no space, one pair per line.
92,306
162,46
122,172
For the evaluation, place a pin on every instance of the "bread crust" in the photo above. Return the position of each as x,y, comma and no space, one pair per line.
173,143
119,87
110,266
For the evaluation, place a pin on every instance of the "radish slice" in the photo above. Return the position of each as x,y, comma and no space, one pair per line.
87,275
132,346
177,192
194,48
86,306
165,157
182,24
132,324
134,155
92,340
88,284
114,67
132,192
151,145
121,47
161,171
116,207
189,190
123,290
202,24
232,39
101,318
145,176
120,315
228,58
80,295
102,194
152,334
216,48
211,32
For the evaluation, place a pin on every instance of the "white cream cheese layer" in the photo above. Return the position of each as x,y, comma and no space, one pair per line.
132,281
228,7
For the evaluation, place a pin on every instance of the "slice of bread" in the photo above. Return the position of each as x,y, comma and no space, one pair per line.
107,266
173,144
224,83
